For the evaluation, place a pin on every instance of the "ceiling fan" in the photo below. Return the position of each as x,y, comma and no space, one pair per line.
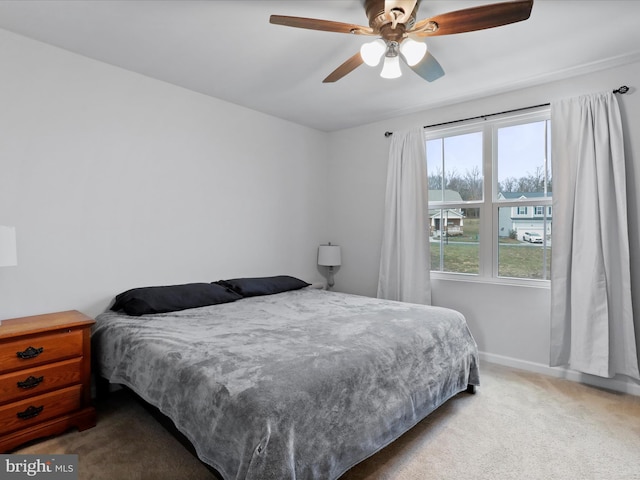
394,21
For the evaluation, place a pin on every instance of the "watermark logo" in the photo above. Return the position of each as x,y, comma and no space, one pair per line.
50,467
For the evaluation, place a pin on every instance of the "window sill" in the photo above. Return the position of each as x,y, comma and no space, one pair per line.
515,282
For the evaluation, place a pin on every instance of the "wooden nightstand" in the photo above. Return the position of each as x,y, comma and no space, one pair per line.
45,376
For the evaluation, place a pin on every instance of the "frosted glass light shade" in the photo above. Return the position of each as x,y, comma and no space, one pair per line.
391,68
8,253
372,52
413,51
329,255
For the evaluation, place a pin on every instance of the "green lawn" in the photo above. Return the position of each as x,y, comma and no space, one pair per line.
471,231
524,261
516,259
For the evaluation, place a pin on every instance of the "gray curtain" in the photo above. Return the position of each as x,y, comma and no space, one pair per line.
592,327
404,261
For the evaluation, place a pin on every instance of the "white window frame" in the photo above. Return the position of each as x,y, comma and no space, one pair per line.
490,204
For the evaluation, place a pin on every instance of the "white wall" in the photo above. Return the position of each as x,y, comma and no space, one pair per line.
115,180
505,331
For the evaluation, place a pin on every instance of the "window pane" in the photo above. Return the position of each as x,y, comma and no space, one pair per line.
454,166
523,167
455,235
524,244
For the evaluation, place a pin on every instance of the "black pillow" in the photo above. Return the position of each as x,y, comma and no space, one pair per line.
252,287
171,298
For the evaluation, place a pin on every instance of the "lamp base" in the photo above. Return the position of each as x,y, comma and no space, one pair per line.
330,281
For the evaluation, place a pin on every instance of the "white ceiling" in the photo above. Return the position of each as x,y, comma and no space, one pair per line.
229,50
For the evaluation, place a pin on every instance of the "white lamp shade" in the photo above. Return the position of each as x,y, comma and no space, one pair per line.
391,67
8,253
329,255
413,51
372,52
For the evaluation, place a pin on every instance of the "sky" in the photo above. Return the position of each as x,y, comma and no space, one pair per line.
521,149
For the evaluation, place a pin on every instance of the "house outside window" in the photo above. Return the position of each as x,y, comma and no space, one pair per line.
490,198
523,219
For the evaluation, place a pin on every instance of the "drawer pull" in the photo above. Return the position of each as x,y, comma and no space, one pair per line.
30,382
30,412
30,353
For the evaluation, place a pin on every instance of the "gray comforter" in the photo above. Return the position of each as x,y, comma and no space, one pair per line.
298,385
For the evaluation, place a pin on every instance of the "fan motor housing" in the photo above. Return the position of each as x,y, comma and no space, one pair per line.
385,12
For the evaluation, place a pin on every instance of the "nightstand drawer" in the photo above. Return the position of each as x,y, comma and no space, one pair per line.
24,413
31,351
34,381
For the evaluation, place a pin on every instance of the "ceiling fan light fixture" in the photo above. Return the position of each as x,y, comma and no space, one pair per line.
372,52
391,67
413,51
395,21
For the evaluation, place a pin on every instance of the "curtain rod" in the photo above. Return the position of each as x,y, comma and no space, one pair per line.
622,90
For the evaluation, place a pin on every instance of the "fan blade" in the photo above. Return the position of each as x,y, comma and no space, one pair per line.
475,18
347,67
428,68
323,25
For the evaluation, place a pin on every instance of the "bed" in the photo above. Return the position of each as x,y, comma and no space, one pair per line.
300,384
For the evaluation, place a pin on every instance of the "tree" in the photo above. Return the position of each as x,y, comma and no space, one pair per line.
472,184
435,180
469,185
533,182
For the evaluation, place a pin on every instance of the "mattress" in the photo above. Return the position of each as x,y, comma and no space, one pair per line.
298,385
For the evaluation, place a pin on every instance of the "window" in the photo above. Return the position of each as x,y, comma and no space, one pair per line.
490,197
456,183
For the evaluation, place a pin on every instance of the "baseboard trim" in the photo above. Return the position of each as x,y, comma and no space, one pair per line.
618,384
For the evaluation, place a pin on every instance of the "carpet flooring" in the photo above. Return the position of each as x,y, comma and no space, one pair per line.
518,426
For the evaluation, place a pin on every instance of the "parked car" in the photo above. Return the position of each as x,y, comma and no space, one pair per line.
531,237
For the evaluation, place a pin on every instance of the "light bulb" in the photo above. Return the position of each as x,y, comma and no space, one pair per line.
391,67
372,52
413,51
